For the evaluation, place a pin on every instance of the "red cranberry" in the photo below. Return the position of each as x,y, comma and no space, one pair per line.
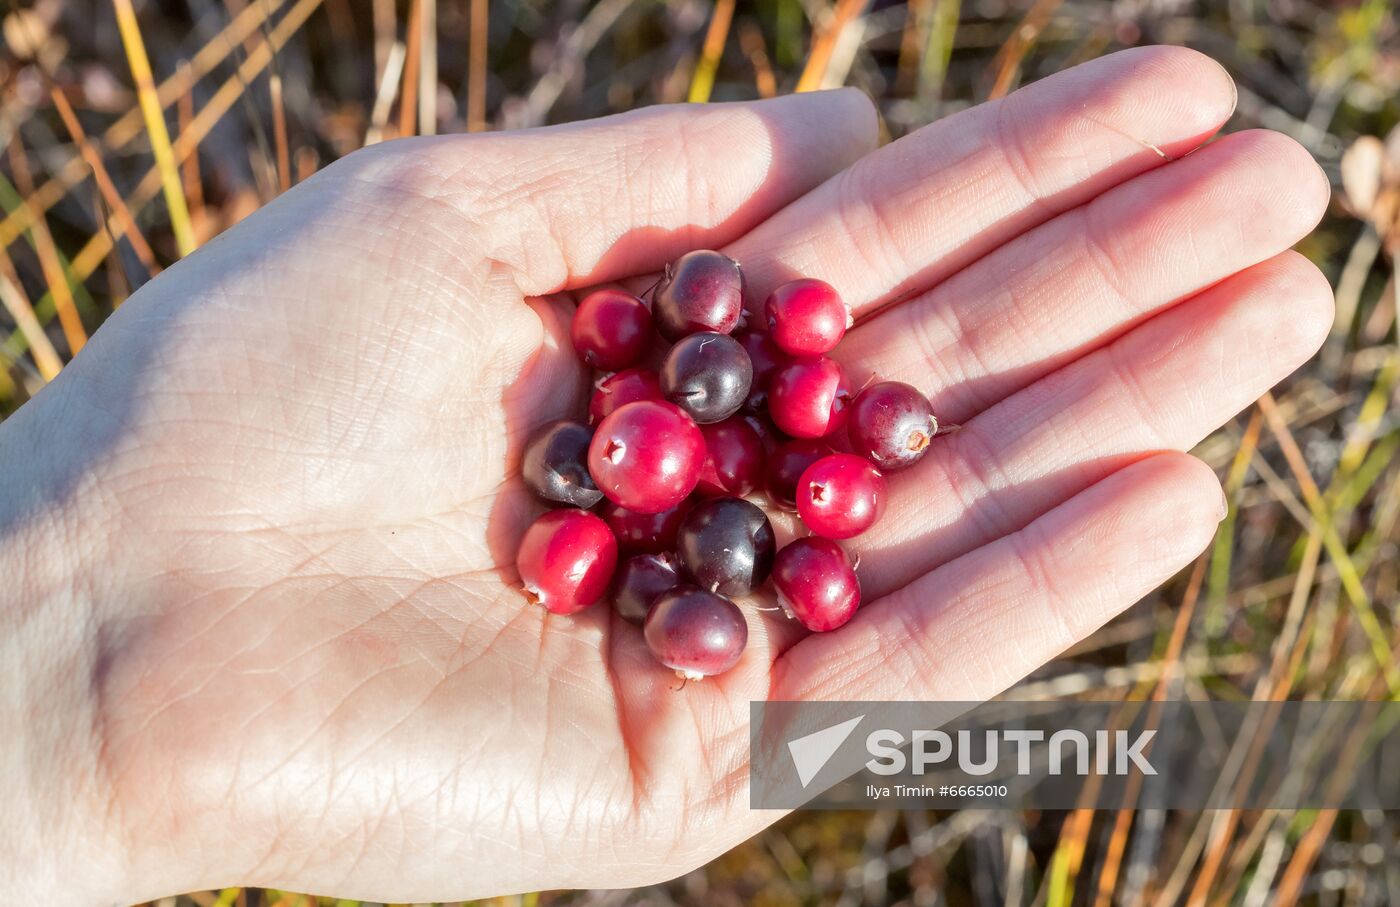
766,359
786,465
566,560
891,424
726,545
806,317
695,633
652,533
555,465
701,291
840,496
808,398
816,583
639,581
734,458
611,329
623,388
707,375
647,456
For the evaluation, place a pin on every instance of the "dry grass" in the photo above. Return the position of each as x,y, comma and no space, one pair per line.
110,174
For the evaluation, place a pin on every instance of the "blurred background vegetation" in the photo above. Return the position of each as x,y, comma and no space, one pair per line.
131,131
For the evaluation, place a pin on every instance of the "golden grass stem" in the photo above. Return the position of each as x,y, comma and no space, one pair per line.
386,25
824,44
755,48
279,134
94,161
1013,52
126,224
46,358
477,72
408,98
1223,550
154,114
938,54
119,134
90,256
189,169
911,45
1311,844
49,262
384,97
702,82
1332,541
1169,675
427,68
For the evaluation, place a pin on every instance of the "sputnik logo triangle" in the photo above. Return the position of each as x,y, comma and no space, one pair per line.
812,752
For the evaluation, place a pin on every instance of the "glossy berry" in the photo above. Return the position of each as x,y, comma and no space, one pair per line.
891,424
766,359
840,496
806,317
765,429
695,633
707,375
651,533
639,580
734,458
726,545
786,464
647,456
555,465
611,329
808,398
627,386
566,560
816,583
701,291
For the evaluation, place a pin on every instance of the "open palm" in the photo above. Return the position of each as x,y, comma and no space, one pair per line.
310,665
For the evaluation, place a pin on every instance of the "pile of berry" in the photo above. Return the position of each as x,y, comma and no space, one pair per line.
673,452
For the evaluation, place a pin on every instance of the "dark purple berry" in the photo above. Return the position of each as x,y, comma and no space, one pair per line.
696,633
707,375
767,432
638,582
701,291
555,465
726,545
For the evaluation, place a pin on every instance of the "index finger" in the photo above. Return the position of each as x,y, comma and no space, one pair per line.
907,216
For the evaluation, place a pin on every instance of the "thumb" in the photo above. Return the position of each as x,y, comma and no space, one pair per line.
569,206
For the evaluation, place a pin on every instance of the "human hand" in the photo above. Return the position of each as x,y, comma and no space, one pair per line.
271,631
